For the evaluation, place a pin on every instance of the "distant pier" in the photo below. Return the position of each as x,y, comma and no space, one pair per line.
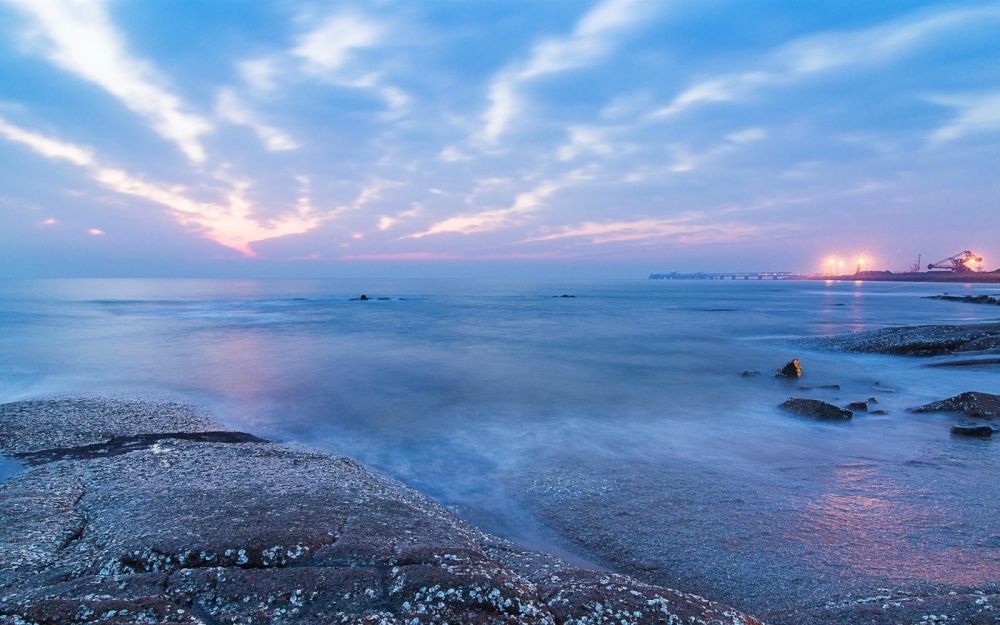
744,275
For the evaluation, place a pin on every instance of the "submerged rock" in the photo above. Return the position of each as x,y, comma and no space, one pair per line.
857,406
201,526
879,412
971,429
972,403
792,369
816,409
830,387
750,373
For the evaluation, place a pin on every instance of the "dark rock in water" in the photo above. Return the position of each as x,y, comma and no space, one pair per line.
872,400
968,299
857,406
840,304
816,409
206,527
879,412
971,429
830,387
363,297
384,298
966,362
564,295
792,369
750,373
934,340
805,388
972,403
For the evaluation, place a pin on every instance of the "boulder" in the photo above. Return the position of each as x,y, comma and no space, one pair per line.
857,406
816,409
792,369
972,429
972,403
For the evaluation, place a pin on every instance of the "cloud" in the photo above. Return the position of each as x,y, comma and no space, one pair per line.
230,223
592,38
82,40
681,229
232,110
330,45
485,221
583,140
95,232
827,51
260,74
49,148
975,114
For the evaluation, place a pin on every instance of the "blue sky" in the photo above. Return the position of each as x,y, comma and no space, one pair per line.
618,137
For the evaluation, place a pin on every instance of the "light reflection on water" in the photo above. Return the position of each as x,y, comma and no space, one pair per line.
475,391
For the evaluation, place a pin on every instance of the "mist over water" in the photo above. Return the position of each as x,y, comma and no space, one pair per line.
530,414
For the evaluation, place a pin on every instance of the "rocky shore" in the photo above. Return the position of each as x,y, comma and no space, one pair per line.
132,511
925,340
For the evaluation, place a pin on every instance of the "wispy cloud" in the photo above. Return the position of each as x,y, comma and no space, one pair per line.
81,39
974,114
592,38
681,230
828,51
485,221
329,46
230,223
230,108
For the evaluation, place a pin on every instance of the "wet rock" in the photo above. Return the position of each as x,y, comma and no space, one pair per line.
929,340
830,387
363,297
857,406
968,299
972,403
879,412
816,409
872,400
564,295
972,429
750,373
198,527
792,369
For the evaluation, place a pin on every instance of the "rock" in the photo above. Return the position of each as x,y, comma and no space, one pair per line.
202,526
879,412
564,295
830,387
968,299
872,400
750,373
363,297
857,406
929,340
792,369
972,403
816,409
971,429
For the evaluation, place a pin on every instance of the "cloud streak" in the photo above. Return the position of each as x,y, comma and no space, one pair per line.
230,223
82,40
592,38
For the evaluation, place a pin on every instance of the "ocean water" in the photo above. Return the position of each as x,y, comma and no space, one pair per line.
612,428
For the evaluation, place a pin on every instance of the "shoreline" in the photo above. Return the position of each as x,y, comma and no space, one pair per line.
142,517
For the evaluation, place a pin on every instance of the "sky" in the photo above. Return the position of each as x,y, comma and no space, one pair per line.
495,138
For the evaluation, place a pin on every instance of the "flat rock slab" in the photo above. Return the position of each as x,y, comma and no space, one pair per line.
815,409
930,340
211,527
971,403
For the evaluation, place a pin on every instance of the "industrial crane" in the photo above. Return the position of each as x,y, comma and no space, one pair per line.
956,263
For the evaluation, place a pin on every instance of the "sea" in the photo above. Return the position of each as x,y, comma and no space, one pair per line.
606,422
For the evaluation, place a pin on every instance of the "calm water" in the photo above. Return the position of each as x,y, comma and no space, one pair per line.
489,395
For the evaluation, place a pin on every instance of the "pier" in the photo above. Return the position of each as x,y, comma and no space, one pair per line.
746,275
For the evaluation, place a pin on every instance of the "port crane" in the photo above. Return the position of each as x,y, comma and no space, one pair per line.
956,263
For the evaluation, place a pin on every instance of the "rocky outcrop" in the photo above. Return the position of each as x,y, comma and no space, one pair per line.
176,522
792,369
971,429
816,409
930,340
972,403
968,299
